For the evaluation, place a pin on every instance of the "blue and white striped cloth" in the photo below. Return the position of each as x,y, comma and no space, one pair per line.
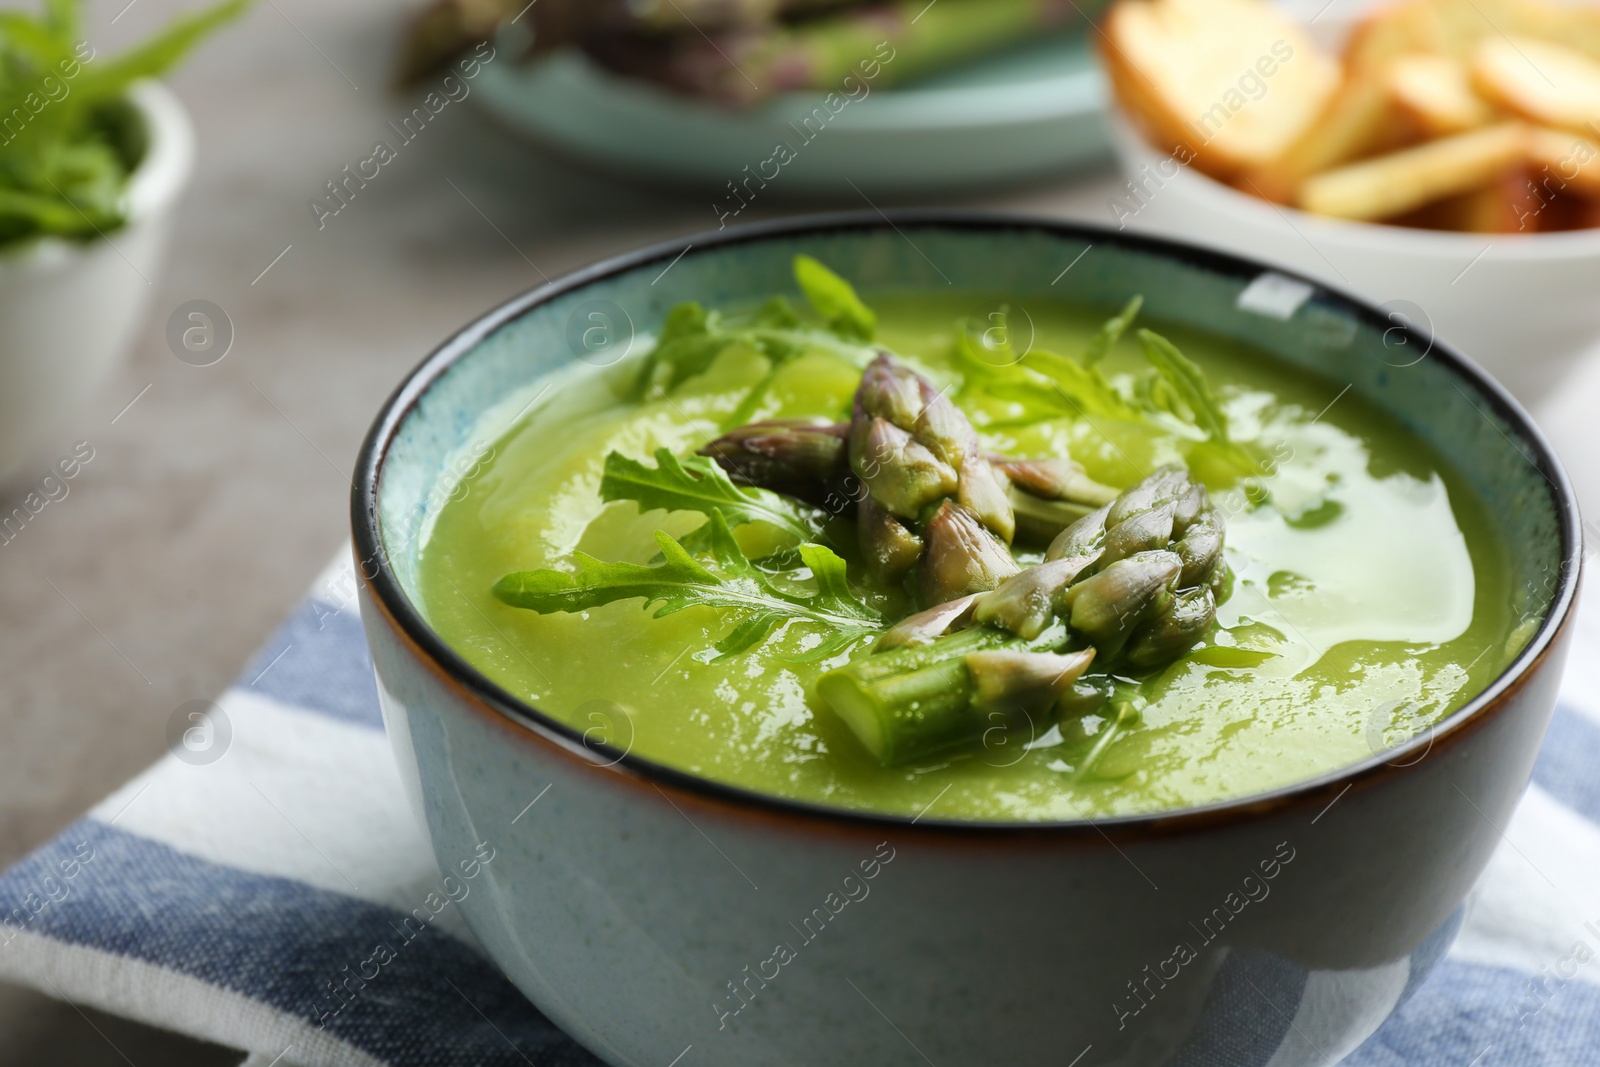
227,899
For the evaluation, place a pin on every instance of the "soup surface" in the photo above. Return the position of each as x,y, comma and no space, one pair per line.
1367,601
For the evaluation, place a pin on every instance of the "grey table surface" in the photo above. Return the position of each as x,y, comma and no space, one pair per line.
218,495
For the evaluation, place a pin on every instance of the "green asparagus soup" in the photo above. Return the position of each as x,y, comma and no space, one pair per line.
943,556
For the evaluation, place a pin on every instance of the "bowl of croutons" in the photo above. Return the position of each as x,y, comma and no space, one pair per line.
1441,157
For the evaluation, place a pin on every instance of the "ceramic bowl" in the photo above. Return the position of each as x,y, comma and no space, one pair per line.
1523,305
68,309
649,912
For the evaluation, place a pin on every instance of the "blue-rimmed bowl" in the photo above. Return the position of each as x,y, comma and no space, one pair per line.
656,915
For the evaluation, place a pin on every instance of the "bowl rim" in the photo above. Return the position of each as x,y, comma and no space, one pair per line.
375,573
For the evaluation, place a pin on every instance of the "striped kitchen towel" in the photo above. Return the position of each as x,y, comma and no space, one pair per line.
264,887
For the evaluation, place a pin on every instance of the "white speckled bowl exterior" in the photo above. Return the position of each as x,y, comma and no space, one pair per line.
638,907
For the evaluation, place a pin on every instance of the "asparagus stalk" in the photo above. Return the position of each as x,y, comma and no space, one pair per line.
1107,608
443,30
714,14
794,457
960,556
895,41
923,627
742,51
927,498
919,461
952,703
890,549
1048,495
1045,495
1132,583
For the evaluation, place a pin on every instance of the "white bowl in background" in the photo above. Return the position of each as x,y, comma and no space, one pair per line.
68,310
1524,306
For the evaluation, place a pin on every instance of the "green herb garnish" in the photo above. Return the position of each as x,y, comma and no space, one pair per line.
1181,378
835,300
1171,396
700,485
1106,338
70,139
1045,382
735,585
692,338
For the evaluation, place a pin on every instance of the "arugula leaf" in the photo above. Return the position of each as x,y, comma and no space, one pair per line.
1045,383
691,339
1172,397
595,583
835,300
686,346
1083,386
777,314
700,484
1188,383
828,570
680,582
778,334
1106,338
683,321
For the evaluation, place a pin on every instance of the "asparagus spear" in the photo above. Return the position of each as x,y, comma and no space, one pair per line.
960,556
790,456
1132,583
1045,495
444,29
950,704
1048,495
714,14
919,461
742,51
927,498
895,41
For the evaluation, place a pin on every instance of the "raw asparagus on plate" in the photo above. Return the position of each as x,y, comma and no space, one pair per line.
740,52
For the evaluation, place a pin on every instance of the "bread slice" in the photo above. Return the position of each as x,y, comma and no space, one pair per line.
1507,206
1403,181
1436,93
1569,213
1510,204
1233,81
1565,162
1361,119
1545,83
1454,28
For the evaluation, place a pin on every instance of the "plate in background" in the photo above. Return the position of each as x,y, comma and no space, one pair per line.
1028,113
